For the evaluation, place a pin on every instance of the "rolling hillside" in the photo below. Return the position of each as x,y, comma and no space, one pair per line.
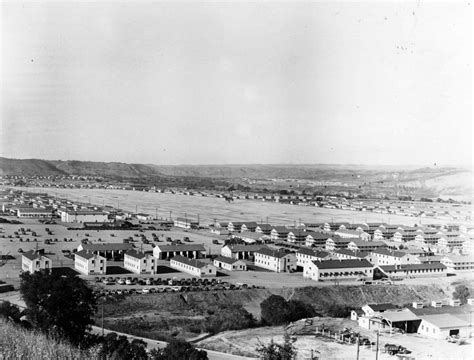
431,182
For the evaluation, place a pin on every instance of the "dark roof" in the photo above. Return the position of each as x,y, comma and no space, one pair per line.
32,255
191,262
265,226
281,229
339,240
85,255
318,236
136,254
243,247
425,266
181,247
397,254
108,247
226,260
273,253
337,264
382,307
312,252
360,242
359,254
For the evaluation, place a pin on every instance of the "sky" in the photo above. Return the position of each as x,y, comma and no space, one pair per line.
376,83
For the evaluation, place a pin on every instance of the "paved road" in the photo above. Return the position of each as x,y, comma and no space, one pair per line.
155,344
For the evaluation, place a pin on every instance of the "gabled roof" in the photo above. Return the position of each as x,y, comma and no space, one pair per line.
397,254
400,315
243,247
136,254
33,255
85,255
226,260
342,264
313,252
339,240
360,242
425,266
265,226
108,247
191,262
319,236
359,254
280,253
181,247
281,229
444,321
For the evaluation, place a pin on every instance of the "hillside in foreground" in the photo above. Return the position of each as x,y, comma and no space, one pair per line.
17,343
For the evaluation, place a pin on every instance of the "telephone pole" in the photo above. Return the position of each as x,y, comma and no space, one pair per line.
377,346
358,338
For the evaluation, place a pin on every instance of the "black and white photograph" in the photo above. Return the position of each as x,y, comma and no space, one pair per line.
236,180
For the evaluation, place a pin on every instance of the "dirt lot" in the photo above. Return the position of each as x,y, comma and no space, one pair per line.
245,343
212,209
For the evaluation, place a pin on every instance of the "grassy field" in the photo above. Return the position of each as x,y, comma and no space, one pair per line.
211,209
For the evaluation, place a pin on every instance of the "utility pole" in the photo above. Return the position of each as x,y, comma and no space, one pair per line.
156,213
102,321
170,215
377,346
358,338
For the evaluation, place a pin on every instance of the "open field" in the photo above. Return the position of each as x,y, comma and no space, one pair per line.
245,341
211,209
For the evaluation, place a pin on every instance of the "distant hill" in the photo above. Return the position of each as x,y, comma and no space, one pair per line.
27,167
447,181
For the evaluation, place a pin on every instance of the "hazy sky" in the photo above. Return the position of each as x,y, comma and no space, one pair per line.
208,83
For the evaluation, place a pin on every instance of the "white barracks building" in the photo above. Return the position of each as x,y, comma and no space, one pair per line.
139,262
89,263
33,261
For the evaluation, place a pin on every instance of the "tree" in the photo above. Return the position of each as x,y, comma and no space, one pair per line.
62,306
461,292
119,348
178,349
274,310
299,310
273,351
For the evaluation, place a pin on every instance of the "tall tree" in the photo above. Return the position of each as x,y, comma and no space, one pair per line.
62,306
461,292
